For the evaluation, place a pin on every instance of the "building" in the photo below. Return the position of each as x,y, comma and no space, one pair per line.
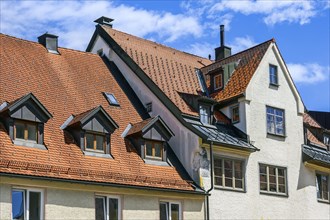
238,122
76,143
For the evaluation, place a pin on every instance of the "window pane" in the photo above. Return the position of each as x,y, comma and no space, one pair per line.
239,183
228,168
318,186
89,141
99,142
113,209
32,132
19,130
148,149
229,182
163,211
18,204
100,209
280,172
263,186
238,169
262,169
272,187
34,205
217,162
281,188
175,212
218,181
158,150
263,178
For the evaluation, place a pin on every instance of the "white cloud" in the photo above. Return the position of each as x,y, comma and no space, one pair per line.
241,43
308,73
73,21
201,49
273,11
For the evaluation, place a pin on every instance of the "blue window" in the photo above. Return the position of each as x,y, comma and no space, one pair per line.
27,204
111,99
273,79
275,121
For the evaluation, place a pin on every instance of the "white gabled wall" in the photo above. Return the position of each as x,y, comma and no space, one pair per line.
301,202
185,143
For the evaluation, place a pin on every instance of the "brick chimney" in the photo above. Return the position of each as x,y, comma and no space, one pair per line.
222,51
49,41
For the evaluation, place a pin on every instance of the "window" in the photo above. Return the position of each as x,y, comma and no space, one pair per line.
27,204
204,114
169,211
94,141
273,75
275,121
235,114
273,179
107,208
149,107
229,173
111,99
154,150
26,130
322,187
217,81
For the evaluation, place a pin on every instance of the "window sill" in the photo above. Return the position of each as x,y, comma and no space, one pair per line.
276,135
97,154
323,201
274,194
229,189
156,162
30,144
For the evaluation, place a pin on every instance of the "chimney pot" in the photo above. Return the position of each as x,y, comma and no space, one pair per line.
223,51
222,35
104,20
49,41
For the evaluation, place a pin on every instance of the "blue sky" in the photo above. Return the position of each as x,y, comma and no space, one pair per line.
301,29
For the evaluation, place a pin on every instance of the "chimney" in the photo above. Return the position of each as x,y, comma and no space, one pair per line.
50,42
222,51
104,20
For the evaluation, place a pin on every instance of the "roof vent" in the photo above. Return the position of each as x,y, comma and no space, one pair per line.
104,20
50,42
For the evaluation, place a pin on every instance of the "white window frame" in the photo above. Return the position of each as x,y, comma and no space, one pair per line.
26,201
107,197
232,115
219,75
170,202
206,114
274,122
328,178
276,176
233,173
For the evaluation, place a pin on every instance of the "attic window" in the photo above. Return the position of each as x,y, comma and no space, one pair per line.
25,130
154,150
217,81
111,99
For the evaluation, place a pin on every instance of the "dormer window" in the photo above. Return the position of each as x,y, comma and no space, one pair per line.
217,81
150,137
24,120
204,114
92,130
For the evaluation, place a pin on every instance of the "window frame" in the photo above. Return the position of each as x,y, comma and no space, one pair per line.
94,141
169,211
153,157
26,134
107,197
328,185
277,193
208,113
233,160
271,75
232,114
217,78
26,201
274,121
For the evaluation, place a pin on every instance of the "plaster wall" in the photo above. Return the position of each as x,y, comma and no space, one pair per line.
76,201
184,143
242,122
301,202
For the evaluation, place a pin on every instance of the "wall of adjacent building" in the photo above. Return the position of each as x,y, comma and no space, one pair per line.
77,201
301,202
185,143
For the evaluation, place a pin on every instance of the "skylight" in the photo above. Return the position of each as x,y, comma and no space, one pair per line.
111,99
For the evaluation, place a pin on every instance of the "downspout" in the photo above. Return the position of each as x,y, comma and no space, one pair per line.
212,185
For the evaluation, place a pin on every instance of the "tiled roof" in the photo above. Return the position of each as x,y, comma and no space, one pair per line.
316,154
313,129
137,127
249,61
66,84
171,70
310,121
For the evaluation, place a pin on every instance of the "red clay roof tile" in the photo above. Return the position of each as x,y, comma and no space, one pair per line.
72,83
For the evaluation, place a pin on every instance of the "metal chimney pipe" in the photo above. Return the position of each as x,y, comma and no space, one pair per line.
222,35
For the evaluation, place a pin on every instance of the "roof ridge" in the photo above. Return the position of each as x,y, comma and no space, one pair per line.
37,43
159,44
243,51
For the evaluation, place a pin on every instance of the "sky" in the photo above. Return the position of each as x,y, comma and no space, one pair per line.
300,28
